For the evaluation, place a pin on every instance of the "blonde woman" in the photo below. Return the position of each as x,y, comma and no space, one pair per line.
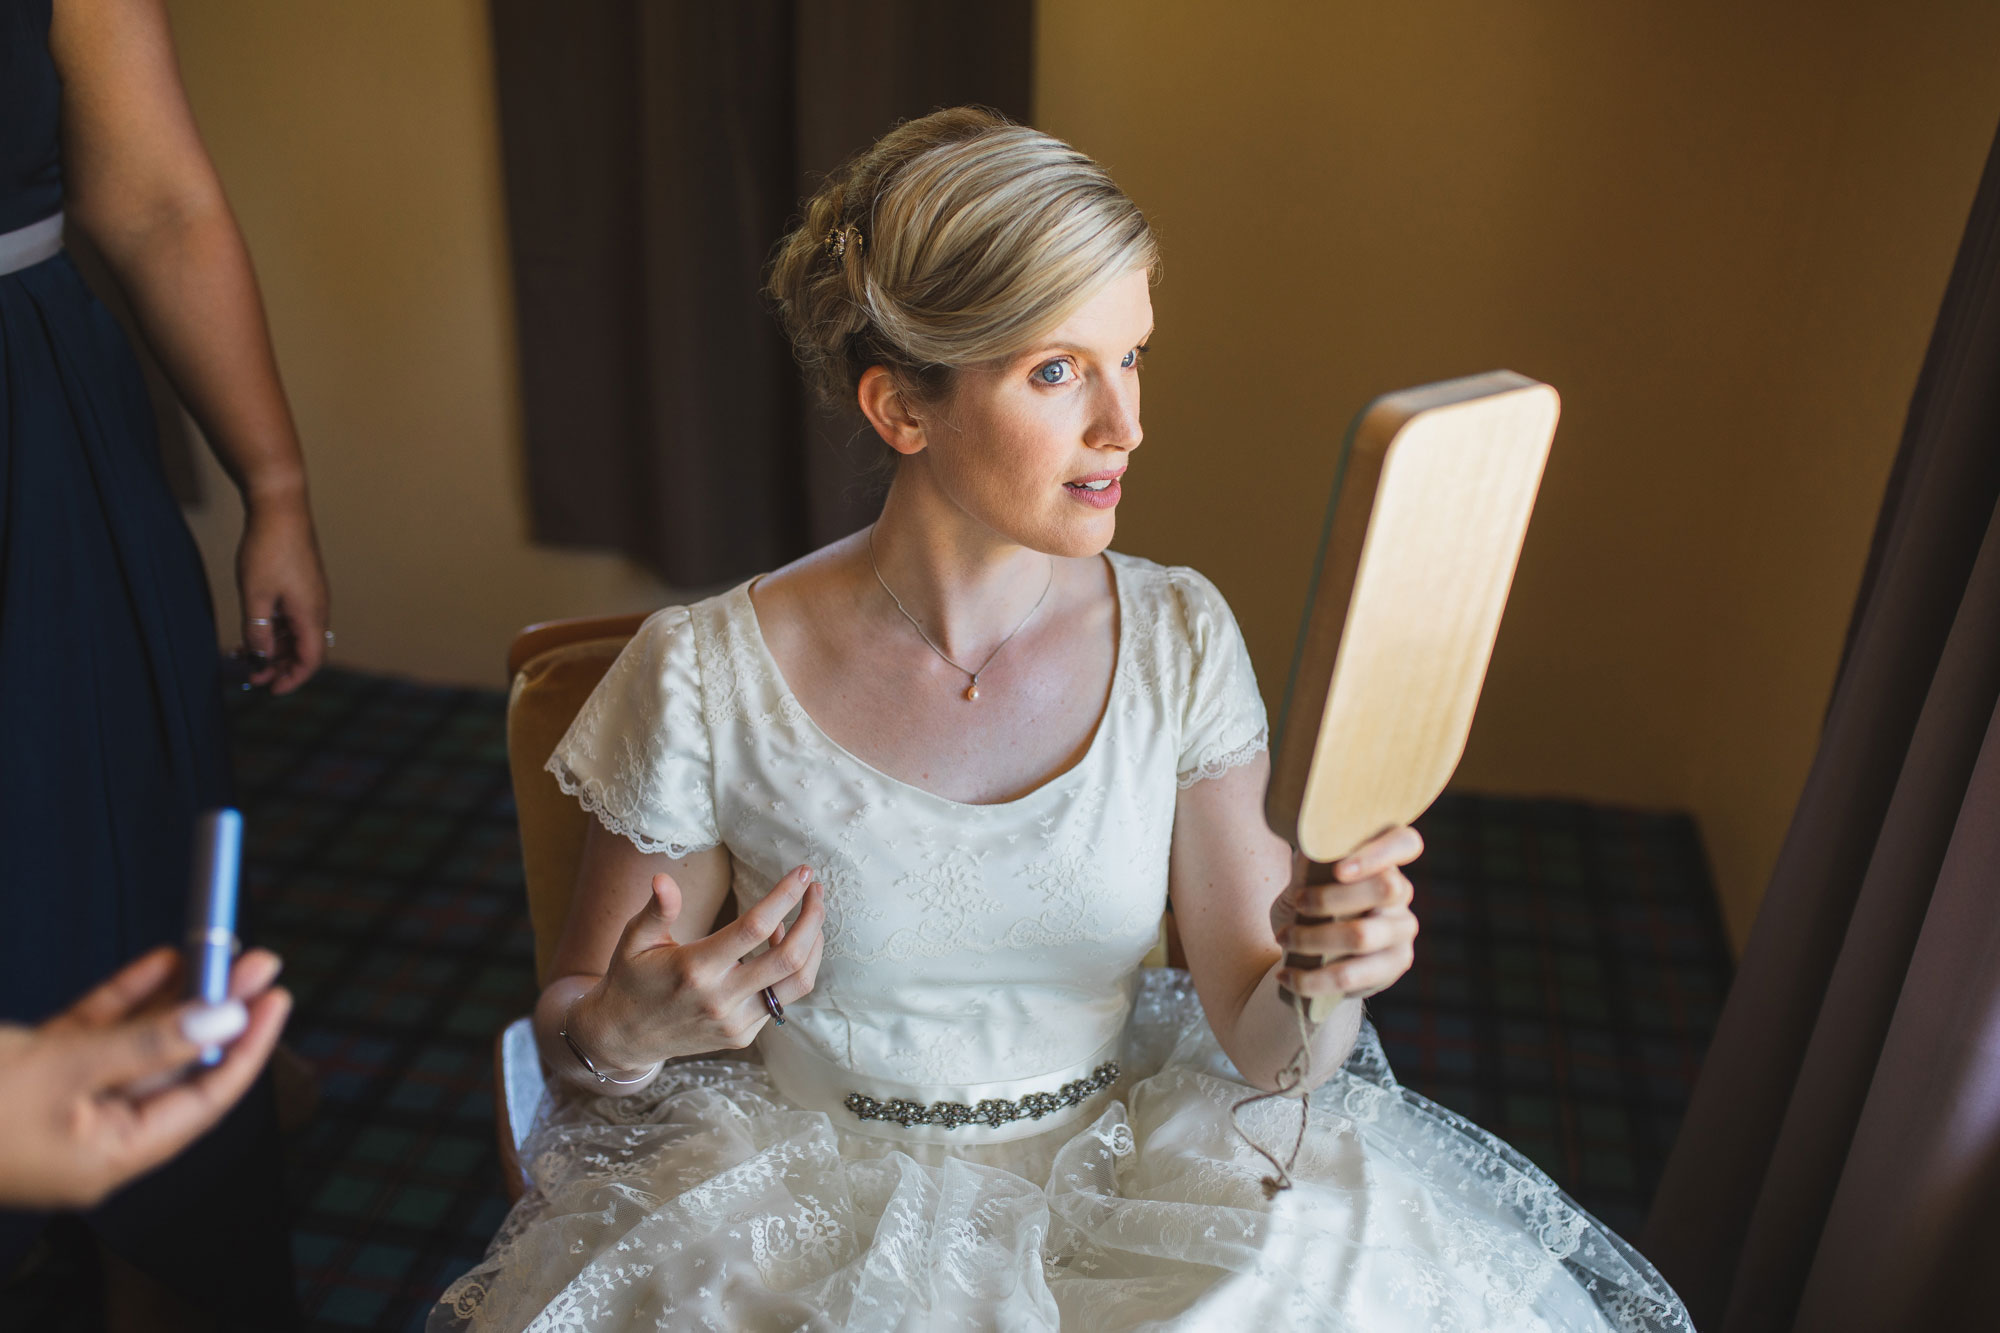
952,768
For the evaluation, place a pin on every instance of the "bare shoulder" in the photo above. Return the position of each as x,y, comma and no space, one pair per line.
800,604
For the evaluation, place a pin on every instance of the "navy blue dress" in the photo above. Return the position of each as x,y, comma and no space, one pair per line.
111,723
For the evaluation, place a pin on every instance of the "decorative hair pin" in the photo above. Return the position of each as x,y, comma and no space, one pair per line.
838,239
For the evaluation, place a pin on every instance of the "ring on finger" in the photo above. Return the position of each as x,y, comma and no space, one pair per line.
777,1010
264,621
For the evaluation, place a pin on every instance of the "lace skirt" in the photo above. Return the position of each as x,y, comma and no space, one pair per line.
708,1202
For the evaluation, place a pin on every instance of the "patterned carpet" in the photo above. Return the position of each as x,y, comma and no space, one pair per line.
382,864
1569,973
1568,978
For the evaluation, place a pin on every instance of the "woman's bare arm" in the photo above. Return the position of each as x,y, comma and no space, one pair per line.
613,881
1228,874
140,184
640,973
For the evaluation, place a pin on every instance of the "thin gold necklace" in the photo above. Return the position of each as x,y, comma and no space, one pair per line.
972,677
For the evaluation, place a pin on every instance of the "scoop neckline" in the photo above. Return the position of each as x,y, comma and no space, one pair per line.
1118,656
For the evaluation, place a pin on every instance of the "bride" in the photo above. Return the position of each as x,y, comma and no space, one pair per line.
952,768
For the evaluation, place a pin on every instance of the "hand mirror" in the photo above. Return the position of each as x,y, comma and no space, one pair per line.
1430,505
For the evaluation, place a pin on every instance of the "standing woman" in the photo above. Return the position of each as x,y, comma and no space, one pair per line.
111,727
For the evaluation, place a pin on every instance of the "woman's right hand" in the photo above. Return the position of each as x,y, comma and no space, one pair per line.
283,588
660,999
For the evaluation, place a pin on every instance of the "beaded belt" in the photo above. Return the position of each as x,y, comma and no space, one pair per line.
991,1111
949,1113
25,247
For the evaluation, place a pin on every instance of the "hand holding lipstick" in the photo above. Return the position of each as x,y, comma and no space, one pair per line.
92,1098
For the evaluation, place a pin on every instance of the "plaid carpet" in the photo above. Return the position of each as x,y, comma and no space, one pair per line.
1567,981
1569,973
381,862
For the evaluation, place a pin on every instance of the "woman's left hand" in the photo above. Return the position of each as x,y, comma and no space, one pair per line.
284,593
1369,941
108,1088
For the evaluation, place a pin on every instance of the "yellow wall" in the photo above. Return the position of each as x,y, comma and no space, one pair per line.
1721,230
358,144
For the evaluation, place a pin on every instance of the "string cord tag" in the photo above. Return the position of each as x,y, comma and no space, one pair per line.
1293,1078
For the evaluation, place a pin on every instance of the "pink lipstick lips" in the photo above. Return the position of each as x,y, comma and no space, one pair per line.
1100,490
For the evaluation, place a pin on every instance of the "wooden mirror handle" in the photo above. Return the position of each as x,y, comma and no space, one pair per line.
1318,1007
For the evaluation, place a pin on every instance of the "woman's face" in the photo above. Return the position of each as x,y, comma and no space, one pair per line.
1033,447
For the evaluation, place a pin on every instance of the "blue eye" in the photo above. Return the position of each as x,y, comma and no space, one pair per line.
1053,372
1133,357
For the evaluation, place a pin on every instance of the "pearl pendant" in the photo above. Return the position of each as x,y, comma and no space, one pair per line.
972,691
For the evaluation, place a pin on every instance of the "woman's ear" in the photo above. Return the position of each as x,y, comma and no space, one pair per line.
890,412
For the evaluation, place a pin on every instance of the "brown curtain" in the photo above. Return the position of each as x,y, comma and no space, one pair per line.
654,152
1839,1168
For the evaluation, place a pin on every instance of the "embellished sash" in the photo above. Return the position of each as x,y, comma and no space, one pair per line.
961,1113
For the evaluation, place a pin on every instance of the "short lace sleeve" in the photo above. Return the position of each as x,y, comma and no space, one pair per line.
1222,718
637,755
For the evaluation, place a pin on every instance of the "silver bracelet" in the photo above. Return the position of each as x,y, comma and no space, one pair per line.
602,1077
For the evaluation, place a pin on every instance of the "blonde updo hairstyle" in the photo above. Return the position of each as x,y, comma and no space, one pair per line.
957,239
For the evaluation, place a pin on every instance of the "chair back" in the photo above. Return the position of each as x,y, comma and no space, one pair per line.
554,666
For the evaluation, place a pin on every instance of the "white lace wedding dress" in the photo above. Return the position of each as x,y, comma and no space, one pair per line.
987,1115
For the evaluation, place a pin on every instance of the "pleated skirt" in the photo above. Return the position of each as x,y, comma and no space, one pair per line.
110,701
112,738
